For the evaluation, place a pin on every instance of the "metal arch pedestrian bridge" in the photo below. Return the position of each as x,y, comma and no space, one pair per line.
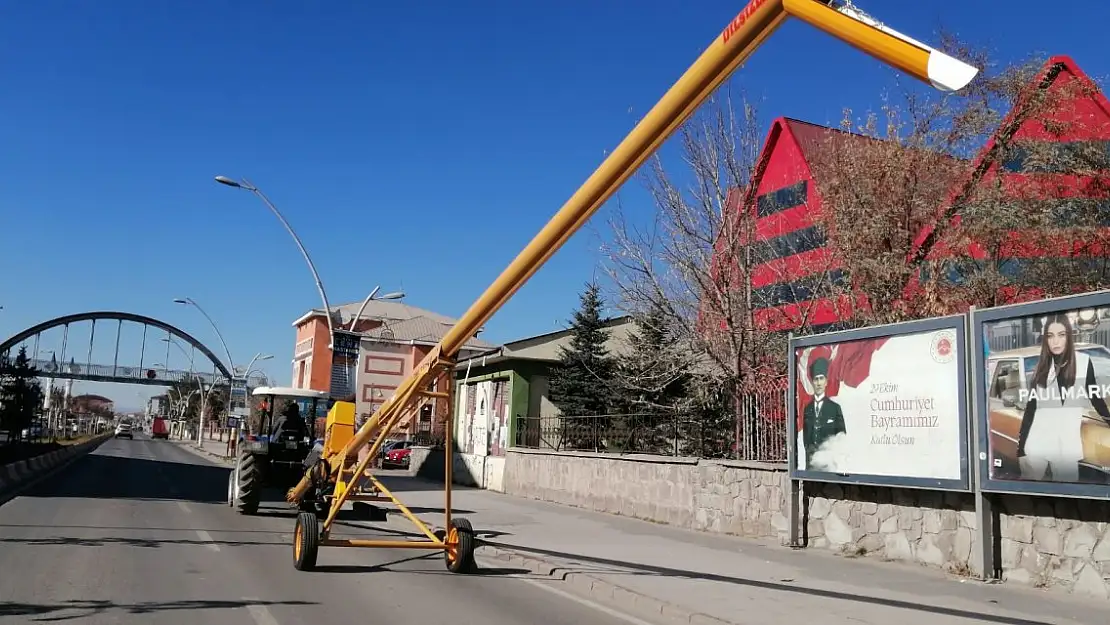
142,369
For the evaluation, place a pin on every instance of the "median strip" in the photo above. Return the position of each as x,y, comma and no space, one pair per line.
15,475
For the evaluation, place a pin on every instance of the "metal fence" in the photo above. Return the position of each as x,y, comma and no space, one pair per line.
756,430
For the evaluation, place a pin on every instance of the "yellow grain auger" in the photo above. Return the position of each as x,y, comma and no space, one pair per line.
333,479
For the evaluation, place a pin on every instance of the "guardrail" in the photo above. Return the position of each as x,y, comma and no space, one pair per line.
147,375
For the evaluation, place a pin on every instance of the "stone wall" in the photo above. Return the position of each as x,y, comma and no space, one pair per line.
466,470
928,527
1044,542
1056,542
732,497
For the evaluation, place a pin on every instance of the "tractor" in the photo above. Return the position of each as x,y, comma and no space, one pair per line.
274,443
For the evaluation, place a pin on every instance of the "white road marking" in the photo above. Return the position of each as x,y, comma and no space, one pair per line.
184,507
260,614
627,618
207,538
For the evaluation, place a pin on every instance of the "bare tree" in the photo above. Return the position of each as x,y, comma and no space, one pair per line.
909,197
690,269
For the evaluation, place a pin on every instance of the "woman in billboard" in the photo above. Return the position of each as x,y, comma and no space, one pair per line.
1050,437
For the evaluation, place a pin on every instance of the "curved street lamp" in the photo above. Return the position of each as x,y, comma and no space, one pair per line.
387,296
257,357
191,357
247,186
188,301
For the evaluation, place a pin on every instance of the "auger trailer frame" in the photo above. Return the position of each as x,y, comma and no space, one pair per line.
339,471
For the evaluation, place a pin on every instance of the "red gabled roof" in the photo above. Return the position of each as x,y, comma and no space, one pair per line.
810,137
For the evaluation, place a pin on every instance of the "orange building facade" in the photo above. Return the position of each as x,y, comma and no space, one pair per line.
393,339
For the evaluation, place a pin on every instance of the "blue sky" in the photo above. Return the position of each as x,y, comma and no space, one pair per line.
412,145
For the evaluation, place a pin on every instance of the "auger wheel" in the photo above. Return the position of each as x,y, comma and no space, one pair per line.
306,541
461,544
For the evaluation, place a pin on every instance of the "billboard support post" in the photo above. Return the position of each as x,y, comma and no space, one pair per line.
984,513
794,502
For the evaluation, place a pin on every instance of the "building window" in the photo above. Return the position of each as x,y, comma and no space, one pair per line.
781,199
1083,212
811,287
303,347
1050,157
797,242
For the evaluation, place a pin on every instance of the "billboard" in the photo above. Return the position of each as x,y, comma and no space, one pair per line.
882,405
1043,394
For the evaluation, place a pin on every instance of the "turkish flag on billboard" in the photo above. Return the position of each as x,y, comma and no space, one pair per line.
849,363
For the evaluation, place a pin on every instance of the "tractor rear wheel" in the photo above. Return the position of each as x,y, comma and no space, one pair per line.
249,481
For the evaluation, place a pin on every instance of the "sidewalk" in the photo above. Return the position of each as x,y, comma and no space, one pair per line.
649,569
217,450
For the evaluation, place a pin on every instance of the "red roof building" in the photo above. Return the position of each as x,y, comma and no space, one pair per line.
793,255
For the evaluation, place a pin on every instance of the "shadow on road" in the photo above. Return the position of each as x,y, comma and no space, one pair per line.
63,535
78,609
101,476
430,557
131,541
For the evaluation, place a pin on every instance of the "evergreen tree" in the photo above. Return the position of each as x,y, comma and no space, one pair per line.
653,374
21,394
581,384
652,377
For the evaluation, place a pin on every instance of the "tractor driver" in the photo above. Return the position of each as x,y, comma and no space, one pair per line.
291,422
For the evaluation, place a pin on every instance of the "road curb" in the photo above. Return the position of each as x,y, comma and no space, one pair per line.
204,453
603,591
16,476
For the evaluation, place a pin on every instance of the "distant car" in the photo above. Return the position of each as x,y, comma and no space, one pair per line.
123,430
159,428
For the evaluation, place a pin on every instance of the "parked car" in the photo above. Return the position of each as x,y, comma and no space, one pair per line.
1009,373
398,455
34,432
386,447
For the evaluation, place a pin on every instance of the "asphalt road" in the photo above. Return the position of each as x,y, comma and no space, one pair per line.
139,532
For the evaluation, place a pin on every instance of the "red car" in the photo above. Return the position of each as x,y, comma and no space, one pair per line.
159,428
398,455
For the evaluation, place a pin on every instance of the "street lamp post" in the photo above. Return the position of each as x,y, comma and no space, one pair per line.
230,361
258,356
354,320
200,383
365,302
188,301
247,186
